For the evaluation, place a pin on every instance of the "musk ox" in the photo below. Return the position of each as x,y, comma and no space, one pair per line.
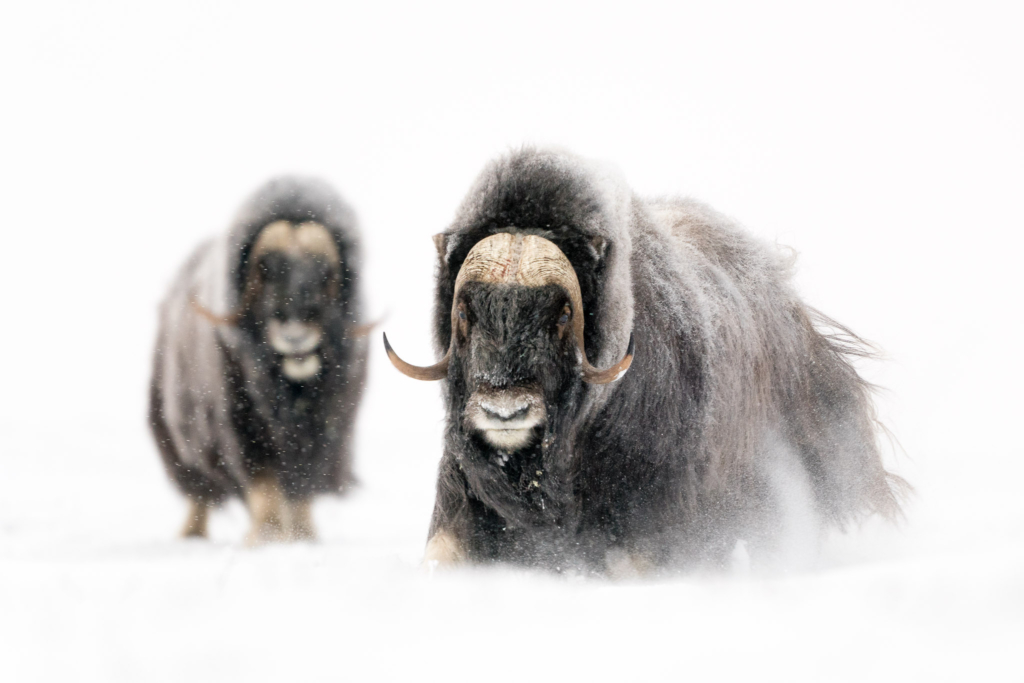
261,359
740,417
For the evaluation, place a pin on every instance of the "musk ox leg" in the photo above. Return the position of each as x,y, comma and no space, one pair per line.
443,550
451,520
196,519
267,510
202,491
791,526
300,520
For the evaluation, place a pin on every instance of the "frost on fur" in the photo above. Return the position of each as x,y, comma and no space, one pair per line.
741,417
259,364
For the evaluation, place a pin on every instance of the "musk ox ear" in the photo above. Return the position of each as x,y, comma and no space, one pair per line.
600,247
441,244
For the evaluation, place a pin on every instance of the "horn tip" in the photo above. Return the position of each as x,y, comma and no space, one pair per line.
614,373
626,361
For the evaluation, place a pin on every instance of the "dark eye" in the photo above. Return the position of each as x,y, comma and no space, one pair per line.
462,315
564,319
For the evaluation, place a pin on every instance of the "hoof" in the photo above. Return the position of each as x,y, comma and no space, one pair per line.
195,520
300,521
443,551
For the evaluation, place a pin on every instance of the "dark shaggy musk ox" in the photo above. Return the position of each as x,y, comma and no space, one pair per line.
260,361
740,418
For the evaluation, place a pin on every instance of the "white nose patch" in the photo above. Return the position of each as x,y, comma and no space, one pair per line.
506,419
505,407
297,342
293,338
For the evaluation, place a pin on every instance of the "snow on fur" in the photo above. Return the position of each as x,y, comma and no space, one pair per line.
741,418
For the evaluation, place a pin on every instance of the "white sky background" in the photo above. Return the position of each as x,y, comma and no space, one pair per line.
883,141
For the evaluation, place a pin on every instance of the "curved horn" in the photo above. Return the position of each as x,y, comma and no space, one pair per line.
592,375
365,329
534,261
309,238
528,260
210,316
428,374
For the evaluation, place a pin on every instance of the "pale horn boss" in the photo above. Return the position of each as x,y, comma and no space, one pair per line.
528,261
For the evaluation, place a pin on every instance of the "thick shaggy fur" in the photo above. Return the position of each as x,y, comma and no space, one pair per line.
222,412
739,402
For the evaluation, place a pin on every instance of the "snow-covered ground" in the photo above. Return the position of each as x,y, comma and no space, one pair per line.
883,143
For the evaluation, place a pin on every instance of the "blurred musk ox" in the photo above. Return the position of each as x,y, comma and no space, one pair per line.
739,418
260,361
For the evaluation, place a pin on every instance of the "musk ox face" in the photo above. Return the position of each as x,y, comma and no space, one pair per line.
514,349
517,339
294,295
292,284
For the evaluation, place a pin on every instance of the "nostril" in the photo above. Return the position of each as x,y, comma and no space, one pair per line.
293,337
505,412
